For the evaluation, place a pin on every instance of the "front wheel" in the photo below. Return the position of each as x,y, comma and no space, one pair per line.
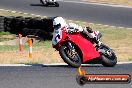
108,57
70,55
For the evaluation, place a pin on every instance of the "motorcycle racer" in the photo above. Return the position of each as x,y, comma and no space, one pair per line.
72,28
49,2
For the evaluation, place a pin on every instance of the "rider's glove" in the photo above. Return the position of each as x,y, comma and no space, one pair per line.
76,30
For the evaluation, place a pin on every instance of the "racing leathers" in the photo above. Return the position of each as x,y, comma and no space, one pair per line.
93,35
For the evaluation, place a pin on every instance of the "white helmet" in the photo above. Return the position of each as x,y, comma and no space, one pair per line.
59,22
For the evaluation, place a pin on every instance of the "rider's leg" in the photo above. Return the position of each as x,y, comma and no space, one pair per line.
94,35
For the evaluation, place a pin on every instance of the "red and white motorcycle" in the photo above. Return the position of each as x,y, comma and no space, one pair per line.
75,49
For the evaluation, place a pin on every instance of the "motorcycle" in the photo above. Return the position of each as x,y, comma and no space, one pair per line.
75,49
49,2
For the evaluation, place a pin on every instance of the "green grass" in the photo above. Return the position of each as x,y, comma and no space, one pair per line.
39,45
5,33
7,48
5,36
43,44
130,58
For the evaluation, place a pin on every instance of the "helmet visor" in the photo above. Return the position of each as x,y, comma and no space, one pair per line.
57,26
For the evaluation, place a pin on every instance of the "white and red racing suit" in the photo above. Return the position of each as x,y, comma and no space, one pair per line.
72,27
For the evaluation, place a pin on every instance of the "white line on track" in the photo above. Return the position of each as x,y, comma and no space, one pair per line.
14,65
60,64
90,3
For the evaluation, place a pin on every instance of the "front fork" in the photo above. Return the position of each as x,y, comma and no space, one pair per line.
72,49
103,50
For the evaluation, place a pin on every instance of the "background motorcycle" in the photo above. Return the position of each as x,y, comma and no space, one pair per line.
75,49
49,2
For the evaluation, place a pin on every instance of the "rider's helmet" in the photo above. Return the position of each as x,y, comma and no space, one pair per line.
59,22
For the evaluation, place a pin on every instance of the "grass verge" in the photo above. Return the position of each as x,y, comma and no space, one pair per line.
6,36
117,38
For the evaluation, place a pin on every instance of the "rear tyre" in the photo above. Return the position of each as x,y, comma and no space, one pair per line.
108,59
70,55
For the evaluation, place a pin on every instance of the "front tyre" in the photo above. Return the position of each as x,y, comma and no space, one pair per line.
70,55
108,57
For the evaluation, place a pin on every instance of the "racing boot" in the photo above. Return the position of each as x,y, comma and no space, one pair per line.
93,35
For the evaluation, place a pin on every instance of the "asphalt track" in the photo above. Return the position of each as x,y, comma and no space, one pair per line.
116,16
43,76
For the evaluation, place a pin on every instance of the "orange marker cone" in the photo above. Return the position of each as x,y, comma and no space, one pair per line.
20,46
30,48
20,42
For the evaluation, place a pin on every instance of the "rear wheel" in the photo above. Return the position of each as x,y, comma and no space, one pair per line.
108,57
70,55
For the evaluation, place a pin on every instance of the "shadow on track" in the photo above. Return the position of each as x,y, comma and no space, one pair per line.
42,5
36,5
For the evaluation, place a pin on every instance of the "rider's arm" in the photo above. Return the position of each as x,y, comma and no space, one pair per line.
71,28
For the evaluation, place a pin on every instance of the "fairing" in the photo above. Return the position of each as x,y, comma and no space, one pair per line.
86,47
